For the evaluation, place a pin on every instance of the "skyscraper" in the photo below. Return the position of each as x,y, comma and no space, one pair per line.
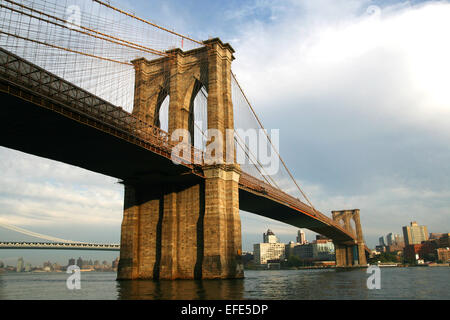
398,240
269,237
271,249
390,239
301,237
415,234
381,241
20,265
27,267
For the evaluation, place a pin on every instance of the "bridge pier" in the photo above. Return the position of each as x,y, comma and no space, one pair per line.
349,255
183,231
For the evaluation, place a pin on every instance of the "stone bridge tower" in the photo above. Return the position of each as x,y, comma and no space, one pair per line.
350,255
184,230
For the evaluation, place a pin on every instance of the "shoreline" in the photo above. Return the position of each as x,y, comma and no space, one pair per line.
441,265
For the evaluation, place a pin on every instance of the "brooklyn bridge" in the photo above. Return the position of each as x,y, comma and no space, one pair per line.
108,91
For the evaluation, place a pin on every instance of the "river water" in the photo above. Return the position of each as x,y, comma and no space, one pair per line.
396,283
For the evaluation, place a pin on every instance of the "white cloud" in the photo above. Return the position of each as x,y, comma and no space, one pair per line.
361,97
394,63
36,192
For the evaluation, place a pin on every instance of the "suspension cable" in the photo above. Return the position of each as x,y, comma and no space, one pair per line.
65,49
268,138
147,22
148,50
154,51
35,234
247,153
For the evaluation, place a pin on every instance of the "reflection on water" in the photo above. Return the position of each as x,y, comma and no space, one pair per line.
307,284
396,283
181,289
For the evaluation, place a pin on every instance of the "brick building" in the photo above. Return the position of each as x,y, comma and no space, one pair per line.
443,254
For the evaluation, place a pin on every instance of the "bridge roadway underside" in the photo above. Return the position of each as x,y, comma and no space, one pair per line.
33,129
254,202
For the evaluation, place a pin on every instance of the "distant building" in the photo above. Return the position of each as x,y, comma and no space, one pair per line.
20,265
71,262
415,234
381,241
444,241
395,243
374,253
398,240
419,251
27,267
301,238
289,249
389,238
80,262
269,237
393,239
304,251
115,263
247,257
47,266
269,250
435,236
443,254
411,252
395,247
321,249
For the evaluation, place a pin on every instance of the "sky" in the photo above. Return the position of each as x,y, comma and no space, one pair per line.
358,90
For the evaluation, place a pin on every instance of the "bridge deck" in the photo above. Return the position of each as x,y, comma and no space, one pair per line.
59,246
52,118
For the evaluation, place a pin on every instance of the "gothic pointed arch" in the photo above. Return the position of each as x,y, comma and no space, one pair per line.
198,114
161,113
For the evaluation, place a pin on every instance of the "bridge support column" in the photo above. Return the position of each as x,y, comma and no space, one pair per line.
361,254
348,255
341,255
190,231
162,232
222,224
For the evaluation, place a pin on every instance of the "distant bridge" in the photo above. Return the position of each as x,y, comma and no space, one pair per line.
60,246
57,243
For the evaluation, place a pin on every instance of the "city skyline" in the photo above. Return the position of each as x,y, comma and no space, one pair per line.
285,239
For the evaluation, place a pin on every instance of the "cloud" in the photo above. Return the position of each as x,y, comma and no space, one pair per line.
39,192
360,96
